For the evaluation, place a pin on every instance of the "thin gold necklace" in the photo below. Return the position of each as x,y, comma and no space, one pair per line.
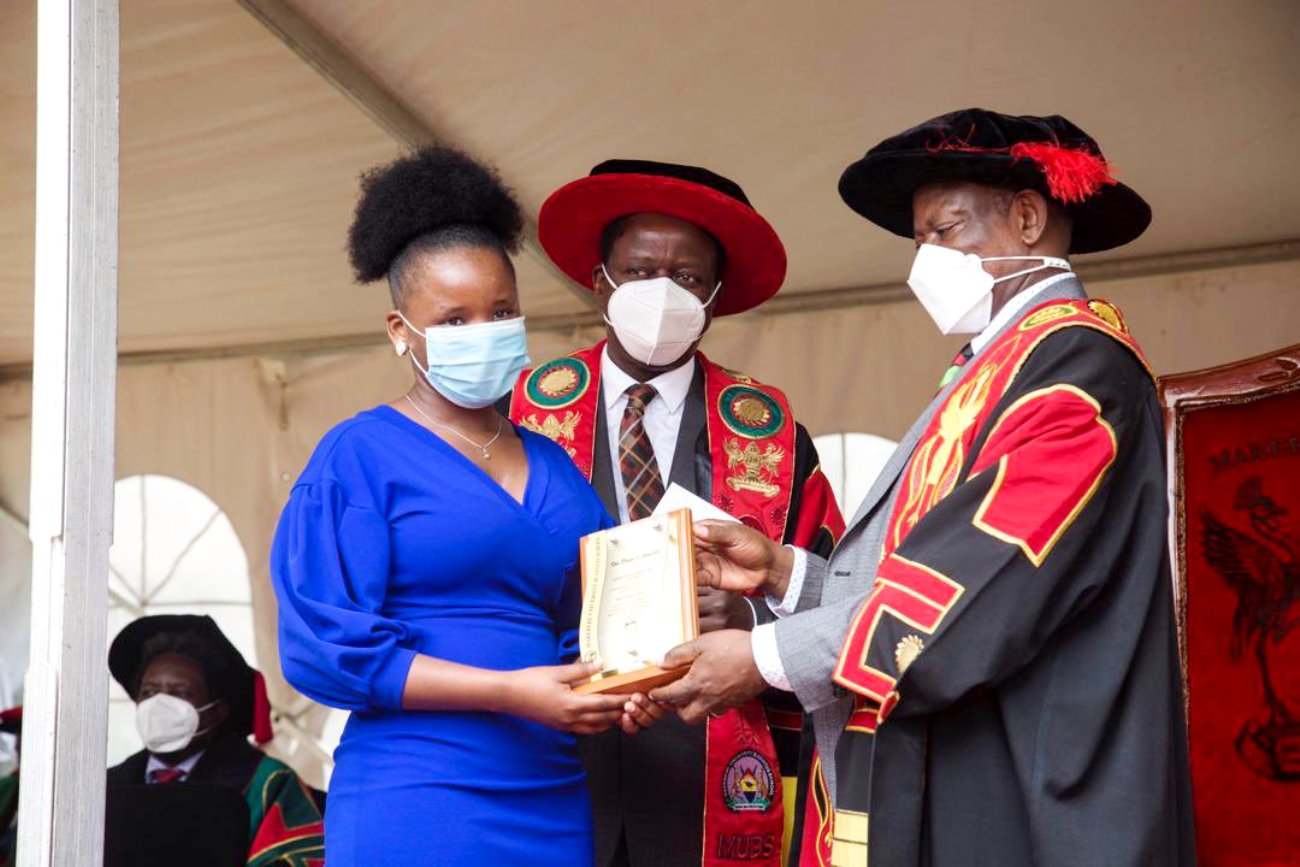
485,448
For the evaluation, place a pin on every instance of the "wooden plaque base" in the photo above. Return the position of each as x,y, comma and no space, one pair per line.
642,680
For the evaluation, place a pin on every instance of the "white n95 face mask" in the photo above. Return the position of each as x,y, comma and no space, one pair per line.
656,320
955,289
167,723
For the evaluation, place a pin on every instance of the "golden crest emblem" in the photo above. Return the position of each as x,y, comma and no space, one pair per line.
752,412
558,382
1109,314
1046,315
936,464
757,468
908,649
555,429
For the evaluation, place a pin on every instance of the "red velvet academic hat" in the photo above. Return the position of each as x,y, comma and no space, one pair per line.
1048,154
574,217
232,679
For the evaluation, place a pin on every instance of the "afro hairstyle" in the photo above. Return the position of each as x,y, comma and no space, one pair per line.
438,196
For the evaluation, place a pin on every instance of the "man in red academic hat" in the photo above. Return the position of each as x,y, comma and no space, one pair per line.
665,248
989,656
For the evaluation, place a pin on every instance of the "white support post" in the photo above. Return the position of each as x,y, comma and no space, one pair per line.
61,807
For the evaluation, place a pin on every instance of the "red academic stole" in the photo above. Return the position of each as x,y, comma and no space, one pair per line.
909,590
751,436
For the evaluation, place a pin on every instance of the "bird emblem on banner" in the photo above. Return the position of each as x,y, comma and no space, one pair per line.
757,467
561,431
1263,568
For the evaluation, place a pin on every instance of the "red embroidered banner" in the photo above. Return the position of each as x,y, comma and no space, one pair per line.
1241,537
743,817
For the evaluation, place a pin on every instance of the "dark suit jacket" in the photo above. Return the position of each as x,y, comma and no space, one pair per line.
205,821
228,761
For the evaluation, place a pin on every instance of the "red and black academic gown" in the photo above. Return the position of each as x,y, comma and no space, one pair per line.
1015,665
738,447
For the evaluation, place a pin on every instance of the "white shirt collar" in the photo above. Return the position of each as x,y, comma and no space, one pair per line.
672,386
157,764
1013,308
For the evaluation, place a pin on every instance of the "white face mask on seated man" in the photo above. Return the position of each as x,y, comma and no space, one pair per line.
168,724
955,289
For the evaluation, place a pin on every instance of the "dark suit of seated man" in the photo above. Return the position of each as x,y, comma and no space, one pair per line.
196,707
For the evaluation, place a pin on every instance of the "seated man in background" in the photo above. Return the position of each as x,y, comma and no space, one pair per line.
197,703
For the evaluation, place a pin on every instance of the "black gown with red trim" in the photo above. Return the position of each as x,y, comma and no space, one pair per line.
1016,665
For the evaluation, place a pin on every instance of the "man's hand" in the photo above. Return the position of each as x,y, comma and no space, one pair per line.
731,556
722,675
721,609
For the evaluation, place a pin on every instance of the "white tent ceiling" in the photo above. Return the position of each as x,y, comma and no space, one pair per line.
239,161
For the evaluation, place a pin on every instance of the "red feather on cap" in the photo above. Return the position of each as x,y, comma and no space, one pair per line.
262,730
1073,176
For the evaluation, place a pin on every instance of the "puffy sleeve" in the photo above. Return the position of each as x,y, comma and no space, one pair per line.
330,567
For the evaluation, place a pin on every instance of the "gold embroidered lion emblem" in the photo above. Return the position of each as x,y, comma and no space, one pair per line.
757,468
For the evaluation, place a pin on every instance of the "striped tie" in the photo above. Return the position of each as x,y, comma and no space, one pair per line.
957,364
167,775
636,456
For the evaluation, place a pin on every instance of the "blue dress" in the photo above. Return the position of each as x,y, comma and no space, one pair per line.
394,544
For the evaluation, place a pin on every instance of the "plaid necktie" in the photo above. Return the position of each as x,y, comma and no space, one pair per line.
636,456
163,776
958,362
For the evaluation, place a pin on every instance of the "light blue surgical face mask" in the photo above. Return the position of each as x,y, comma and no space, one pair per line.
473,365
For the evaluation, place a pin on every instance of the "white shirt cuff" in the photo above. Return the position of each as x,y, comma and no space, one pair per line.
786,605
767,657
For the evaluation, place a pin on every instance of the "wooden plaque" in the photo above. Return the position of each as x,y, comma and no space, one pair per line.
638,601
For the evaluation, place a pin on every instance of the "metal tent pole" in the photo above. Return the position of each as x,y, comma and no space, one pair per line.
61,815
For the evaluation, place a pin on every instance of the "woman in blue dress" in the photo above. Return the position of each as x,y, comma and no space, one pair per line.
425,563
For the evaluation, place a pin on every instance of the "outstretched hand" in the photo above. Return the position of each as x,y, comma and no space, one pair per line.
731,556
722,675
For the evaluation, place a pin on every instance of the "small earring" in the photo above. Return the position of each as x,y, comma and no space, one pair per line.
400,347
